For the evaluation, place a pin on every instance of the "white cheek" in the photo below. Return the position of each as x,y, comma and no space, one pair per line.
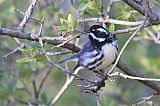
96,38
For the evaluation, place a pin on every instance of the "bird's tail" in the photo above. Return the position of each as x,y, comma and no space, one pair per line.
73,58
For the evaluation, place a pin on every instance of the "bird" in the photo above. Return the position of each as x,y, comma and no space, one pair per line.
99,52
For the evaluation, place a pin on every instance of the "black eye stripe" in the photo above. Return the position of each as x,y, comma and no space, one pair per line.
99,34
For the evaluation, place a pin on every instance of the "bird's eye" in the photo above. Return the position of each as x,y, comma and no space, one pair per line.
93,30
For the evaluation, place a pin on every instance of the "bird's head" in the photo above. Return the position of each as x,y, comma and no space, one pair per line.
98,35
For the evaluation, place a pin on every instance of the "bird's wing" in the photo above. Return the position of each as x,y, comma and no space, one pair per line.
84,51
73,58
87,48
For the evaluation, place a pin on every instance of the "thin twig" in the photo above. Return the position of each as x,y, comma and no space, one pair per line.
122,31
124,47
154,19
132,77
34,84
27,15
65,87
41,27
132,72
144,99
66,41
114,21
66,68
14,51
109,9
67,72
21,12
153,35
43,81
58,53
25,19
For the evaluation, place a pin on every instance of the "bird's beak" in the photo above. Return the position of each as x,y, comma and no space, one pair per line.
87,31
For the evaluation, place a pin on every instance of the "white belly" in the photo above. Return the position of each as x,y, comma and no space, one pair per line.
110,53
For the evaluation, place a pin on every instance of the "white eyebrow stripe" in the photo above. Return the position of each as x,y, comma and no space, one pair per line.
102,30
96,38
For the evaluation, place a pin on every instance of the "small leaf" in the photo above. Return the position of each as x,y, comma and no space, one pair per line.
92,5
40,57
62,28
44,98
28,51
137,38
41,42
33,65
63,21
24,60
71,22
70,18
111,28
76,22
83,6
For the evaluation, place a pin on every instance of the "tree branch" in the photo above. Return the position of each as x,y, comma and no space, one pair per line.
153,17
114,21
33,37
130,71
27,15
65,87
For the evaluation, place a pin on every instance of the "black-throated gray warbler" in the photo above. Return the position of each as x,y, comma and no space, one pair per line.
100,52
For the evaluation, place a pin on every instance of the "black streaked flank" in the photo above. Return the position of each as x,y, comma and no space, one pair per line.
96,61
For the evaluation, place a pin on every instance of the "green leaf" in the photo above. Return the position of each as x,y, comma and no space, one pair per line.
62,28
33,65
92,5
41,42
24,60
71,22
28,51
83,6
40,57
111,28
63,21
137,38
44,98
70,18
76,22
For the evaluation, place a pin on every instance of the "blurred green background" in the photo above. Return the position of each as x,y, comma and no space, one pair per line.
16,87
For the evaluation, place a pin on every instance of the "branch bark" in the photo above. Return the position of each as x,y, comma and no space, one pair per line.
114,21
132,72
153,17
27,15
33,37
65,87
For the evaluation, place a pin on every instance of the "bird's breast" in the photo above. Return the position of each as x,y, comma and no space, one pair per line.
110,53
